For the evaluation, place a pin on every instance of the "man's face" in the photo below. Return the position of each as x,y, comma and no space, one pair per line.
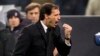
13,21
53,18
33,15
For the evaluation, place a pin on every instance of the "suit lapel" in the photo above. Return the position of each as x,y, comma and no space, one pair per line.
42,31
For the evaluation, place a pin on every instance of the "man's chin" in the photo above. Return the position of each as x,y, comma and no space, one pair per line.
52,26
55,25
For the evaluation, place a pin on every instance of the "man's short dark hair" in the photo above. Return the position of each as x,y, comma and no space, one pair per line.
47,9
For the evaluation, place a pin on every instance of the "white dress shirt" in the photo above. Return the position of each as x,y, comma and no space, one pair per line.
44,26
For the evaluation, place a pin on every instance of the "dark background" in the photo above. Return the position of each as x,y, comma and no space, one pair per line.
84,28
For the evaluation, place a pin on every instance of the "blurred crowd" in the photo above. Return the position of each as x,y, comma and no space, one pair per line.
67,7
14,23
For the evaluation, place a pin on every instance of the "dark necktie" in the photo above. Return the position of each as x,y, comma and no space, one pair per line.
47,33
48,30
49,43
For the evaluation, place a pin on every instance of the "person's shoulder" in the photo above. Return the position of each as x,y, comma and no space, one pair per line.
30,27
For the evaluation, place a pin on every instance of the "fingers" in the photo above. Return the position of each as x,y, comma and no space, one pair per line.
67,27
55,52
67,30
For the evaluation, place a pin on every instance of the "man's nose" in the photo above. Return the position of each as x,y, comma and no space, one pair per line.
59,17
33,15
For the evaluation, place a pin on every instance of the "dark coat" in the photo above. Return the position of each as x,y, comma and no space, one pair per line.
11,38
33,42
6,43
16,31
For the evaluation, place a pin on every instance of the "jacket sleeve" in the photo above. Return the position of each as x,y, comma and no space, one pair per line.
62,48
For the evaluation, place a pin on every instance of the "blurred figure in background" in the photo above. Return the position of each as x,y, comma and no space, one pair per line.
93,7
32,14
14,26
14,23
4,9
6,41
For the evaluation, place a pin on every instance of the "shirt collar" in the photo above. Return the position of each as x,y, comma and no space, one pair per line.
44,26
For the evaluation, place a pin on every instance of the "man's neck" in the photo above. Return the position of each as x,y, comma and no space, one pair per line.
44,22
44,26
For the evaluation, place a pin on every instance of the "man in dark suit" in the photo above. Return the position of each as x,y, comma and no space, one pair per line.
36,40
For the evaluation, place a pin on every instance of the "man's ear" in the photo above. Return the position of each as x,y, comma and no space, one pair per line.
46,16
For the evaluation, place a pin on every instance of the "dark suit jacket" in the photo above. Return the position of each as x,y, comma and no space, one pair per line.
33,42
